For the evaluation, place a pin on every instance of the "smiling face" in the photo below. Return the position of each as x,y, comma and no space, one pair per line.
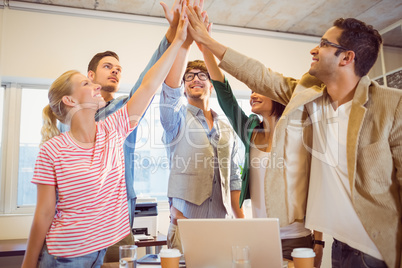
86,94
325,63
196,88
260,104
107,74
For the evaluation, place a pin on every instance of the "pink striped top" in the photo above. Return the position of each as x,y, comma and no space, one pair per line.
92,211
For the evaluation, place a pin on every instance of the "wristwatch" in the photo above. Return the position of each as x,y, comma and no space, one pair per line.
319,242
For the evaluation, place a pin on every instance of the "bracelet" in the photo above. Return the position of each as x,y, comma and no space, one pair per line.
319,242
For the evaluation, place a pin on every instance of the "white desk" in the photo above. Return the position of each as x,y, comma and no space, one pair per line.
116,265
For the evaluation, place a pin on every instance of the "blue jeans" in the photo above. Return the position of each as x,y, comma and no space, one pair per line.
92,260
344,256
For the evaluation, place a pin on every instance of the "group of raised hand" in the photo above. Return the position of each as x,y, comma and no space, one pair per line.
189,17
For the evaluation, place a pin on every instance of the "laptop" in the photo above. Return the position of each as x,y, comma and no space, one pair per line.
208,242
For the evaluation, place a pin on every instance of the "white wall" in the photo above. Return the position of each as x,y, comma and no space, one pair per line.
40,46
1,40
392,59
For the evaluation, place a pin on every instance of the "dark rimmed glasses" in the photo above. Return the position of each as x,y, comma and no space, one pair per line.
188,77
325,43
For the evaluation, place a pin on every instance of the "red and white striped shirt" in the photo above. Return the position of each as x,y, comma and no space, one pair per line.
92,211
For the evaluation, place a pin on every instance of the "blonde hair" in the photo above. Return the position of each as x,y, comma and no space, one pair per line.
56,109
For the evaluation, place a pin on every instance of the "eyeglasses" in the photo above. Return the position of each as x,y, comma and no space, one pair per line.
188,77
325,43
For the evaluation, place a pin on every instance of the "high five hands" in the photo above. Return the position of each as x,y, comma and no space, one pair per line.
199,26
179,7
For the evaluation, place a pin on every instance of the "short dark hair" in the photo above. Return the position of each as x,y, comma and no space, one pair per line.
93,64
363,39
196,64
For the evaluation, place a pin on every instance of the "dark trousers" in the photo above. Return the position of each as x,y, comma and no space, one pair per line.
344,256
289,244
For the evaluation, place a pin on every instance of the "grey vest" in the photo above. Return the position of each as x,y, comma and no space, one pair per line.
191,165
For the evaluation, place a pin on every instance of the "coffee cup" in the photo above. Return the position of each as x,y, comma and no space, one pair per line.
303,257
170,258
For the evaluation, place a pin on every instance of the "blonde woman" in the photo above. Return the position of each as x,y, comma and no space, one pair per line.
86,167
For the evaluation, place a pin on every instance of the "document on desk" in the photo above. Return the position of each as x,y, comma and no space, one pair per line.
142,237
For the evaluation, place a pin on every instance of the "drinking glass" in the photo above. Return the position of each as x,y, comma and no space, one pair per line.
128,256
240,257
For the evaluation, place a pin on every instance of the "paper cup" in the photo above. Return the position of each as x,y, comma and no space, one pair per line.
303,257
170,258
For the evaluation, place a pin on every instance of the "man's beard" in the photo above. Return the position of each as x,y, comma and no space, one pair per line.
109,88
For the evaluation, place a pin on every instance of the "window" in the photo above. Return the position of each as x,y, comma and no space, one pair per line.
151,164
32,103
150,160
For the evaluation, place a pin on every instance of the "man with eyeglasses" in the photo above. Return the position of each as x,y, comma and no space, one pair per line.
352,127
204,179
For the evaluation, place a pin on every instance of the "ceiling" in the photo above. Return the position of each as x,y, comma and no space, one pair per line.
306,17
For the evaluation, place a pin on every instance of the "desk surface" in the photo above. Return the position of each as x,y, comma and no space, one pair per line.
160,240
17,247
13,247
116,265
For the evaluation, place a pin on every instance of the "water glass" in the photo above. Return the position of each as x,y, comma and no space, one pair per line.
128,256
241,257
